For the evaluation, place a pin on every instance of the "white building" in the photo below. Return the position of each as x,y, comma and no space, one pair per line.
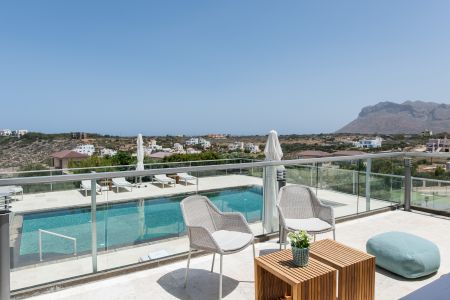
438,145
192,141
5,132
88,149
177,147
19,132
107,152
204,143
370,143
250,147
153,146
236,146
16,133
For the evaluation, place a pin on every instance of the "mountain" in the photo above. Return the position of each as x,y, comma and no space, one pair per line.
407,117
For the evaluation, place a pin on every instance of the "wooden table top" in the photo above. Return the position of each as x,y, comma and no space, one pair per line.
337,253
280,264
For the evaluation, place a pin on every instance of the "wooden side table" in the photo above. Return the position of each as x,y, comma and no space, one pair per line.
276,277
356,268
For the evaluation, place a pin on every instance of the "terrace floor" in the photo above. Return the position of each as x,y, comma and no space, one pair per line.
166,282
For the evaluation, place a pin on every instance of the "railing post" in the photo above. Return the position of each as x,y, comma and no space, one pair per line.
94,224
368,171
5,258
408,183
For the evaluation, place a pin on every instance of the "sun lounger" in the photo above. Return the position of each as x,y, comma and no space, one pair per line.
163,179
186,177
121,182
86,186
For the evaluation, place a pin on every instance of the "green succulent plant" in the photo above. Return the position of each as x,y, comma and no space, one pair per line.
299,239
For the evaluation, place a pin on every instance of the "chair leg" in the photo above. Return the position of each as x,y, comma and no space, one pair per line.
212,265
220,278
334,234
187,269
281,237
314,237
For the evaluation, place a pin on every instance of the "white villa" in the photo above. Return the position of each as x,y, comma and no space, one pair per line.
88,149
236,146
16,133
375,142
250,147
177,147
5,132
198,141
107,152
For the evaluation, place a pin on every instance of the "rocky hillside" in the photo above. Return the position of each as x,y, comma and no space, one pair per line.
407,117
22,152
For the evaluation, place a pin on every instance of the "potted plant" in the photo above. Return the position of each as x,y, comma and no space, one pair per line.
300,247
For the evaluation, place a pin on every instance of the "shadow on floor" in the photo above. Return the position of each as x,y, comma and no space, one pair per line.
202,284
400,278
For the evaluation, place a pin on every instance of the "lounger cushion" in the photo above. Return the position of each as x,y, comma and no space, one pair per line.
231,240
310,224
404,254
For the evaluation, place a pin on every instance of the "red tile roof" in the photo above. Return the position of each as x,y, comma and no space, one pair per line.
68,154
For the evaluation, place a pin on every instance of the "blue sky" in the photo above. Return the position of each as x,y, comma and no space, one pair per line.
196,67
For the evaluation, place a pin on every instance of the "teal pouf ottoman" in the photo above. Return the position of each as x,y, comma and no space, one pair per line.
404,254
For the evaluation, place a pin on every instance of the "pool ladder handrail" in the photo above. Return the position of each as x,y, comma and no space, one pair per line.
41,231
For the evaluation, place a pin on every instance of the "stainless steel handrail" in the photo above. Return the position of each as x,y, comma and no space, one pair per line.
41,231
149,172
261,164
120,166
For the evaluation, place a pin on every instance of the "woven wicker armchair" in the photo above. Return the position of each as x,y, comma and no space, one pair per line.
214,231
300,209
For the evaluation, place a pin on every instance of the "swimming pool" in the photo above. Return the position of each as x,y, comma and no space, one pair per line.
123,224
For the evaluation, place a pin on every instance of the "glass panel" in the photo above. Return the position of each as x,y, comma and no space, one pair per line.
50,235
146,222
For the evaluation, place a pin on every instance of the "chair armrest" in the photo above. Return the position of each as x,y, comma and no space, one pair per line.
232,221
326,213
201,238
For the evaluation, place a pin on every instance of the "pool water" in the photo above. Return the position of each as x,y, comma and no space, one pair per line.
125,224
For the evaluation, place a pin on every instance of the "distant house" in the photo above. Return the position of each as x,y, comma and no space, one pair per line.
191,142
177,147
88,149
438,145
198,141
61,159
5,132
375,142
250,147
19,132
236,146
107,152
204,143
79,135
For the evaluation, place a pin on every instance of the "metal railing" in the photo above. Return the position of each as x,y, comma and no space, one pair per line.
41,231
